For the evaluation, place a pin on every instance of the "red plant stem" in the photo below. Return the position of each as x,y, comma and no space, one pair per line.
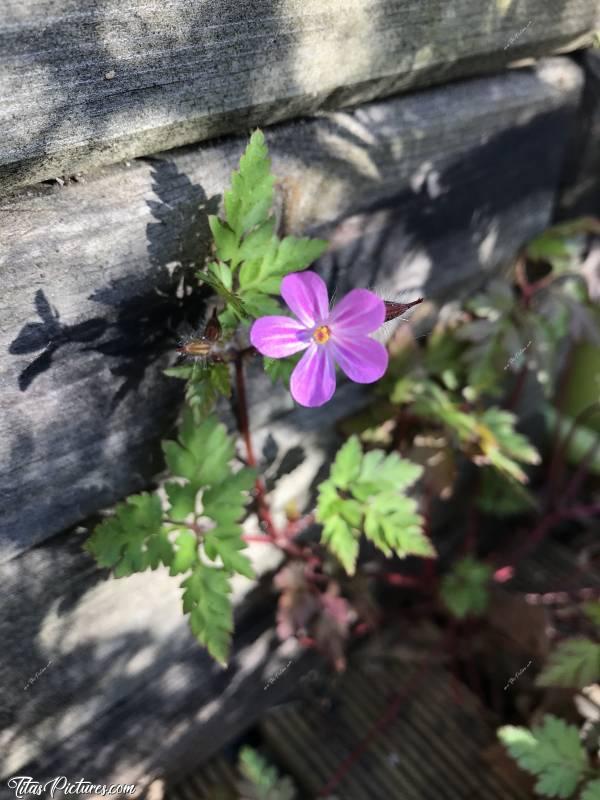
406,581
515,396
295,527
557,461
263,510
538,534
582,471
408,690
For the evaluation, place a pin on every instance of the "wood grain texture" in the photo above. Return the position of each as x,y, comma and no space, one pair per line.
85,83
425,194
580,190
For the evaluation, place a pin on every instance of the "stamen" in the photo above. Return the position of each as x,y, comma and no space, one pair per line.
322,334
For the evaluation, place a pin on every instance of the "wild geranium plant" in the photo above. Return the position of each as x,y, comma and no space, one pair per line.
438,408
192,524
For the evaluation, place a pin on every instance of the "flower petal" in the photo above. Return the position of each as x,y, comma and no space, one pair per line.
360,311
278,337
362,359
306,295
313,379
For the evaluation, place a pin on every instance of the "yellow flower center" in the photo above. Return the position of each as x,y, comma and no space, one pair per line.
322,334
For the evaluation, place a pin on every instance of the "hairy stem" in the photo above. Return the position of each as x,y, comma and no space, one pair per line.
262,505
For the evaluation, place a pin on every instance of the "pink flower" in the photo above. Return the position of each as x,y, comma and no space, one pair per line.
330,337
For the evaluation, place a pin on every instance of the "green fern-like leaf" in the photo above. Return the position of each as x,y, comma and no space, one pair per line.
201,453
465,590
574,663
552,752
503,496
206,599
261,779
205,383
591,791
248,202
278,259
592,611
342,540
364,492
133,539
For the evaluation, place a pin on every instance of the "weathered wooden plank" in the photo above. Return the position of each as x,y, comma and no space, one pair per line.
433,747
580,192
84,84
424,193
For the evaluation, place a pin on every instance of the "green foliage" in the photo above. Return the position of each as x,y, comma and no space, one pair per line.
205,500
201,453
280,369
552,752
574,663
365,493
248,202
206,600
205,383
134,538
465,589
503,496
252,259
591,791
592,611
488,437
262,781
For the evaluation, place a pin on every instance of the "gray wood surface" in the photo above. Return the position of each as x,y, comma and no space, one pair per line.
89,82
421,194
580,192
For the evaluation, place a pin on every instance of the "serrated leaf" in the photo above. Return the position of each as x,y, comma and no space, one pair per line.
262,781
352,512
341,541
222,273
281,368
226,241
389,472
261,305
214,277
206,599
249,200
592,611
346,467
394,526
182,500
133,539
278,258
591,791
574,663
258,242
226,545
465,590
500,495
225,501
552,752
186,552
294,254
502,424
202,452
